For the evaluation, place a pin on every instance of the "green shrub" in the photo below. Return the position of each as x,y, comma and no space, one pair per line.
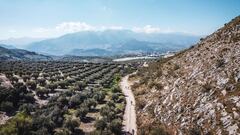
7,106
116,89
116,126
52,86
18,125
115,97
63,84
82,112
27,108
101,124
42,92
71,124
99,96
32,85
158,131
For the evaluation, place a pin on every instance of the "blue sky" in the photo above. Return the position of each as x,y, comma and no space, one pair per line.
49,18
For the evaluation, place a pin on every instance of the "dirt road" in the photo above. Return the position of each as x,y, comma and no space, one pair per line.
129,118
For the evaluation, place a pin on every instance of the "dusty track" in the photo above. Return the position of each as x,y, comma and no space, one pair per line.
129,118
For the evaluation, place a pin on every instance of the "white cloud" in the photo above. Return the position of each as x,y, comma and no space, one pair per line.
74,27
102,28
147,29
116,28
62,28
70,27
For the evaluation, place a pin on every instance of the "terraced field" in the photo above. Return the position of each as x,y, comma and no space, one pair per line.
57,97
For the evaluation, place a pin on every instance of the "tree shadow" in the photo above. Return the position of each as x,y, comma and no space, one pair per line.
102,102
94,110
88,120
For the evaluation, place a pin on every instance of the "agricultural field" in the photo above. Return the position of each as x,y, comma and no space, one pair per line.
61,98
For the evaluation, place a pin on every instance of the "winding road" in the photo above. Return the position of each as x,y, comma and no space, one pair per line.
129,118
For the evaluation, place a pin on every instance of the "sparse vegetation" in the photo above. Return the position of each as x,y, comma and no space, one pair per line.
206,87
220,63
201,88
158,131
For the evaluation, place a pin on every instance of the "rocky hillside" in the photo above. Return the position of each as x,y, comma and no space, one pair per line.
19,54
194,92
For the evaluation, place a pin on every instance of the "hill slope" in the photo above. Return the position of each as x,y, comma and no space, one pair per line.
195,92
19,54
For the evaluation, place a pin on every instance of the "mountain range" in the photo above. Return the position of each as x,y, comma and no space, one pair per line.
112,42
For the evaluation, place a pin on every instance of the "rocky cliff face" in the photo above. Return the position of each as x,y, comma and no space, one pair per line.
196,91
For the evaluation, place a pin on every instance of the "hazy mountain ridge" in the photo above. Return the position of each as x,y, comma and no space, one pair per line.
20,54
7,46
196,91
90,52
20,42
112,41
